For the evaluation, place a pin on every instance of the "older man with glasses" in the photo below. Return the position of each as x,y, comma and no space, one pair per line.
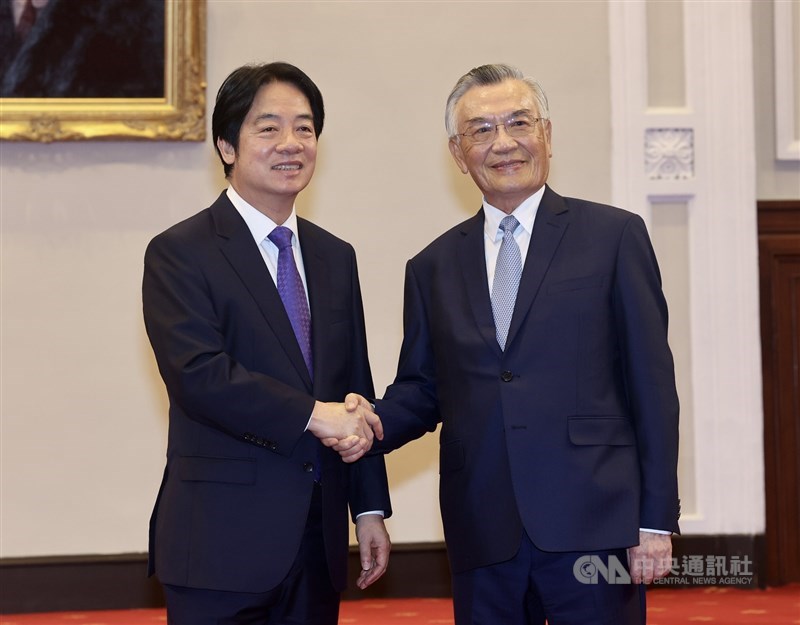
536,334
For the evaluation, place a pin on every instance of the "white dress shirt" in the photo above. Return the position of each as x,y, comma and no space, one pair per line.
260,227
493,236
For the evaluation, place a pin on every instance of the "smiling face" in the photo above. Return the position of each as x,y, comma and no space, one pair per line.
509,169
277,150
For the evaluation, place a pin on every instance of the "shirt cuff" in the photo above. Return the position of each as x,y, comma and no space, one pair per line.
664,532
380,512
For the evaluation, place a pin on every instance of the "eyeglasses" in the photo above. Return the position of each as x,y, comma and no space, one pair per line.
516,126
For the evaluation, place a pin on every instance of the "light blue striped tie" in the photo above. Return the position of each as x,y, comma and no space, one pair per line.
507,273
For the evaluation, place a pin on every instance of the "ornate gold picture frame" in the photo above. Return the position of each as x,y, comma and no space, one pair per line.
178,116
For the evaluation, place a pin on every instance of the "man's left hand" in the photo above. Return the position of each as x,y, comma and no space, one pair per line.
651,559
374,547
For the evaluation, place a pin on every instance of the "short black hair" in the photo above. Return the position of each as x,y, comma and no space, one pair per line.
239,89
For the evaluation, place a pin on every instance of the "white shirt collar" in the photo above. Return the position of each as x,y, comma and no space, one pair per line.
525,214
259,224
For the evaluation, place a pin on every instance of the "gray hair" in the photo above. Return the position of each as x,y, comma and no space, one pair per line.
490,75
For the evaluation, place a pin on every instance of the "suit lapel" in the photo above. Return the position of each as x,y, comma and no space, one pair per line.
317,278
552,219
472,256
237,245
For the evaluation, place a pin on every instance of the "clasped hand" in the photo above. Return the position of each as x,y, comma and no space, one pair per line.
348,427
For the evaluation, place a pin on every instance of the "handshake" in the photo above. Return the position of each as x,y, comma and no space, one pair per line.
348,428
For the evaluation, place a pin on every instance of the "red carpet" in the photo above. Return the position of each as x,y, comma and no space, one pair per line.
717,606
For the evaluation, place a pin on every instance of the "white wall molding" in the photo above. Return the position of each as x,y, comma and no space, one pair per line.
669,153
787,68
726,426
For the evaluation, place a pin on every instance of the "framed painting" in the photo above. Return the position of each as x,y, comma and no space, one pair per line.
102,69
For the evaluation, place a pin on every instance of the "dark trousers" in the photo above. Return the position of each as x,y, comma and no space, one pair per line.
305,597
536,585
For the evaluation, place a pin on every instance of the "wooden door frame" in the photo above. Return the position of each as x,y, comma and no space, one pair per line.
779,267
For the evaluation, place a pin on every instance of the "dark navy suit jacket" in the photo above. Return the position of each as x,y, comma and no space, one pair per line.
572,432
239,477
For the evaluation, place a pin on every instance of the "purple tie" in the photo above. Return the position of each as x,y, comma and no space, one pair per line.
290,288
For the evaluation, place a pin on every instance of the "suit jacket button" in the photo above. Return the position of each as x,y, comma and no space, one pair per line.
308,467
506,376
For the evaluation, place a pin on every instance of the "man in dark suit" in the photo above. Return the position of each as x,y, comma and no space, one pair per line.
256,321
536,333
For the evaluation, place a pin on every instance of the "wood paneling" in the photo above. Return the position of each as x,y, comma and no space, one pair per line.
48,584
779,263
